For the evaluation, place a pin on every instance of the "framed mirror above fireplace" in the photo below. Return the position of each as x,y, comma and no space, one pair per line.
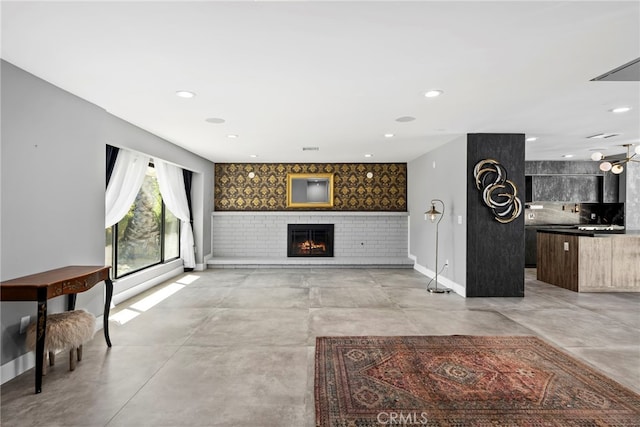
310,190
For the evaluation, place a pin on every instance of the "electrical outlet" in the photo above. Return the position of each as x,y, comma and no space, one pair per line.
24,324
566,246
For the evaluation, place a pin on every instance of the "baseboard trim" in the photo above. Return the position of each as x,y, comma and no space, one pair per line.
455,287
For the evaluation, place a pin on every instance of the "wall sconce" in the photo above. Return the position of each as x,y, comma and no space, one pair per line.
616,166
434,214
369,175
252,175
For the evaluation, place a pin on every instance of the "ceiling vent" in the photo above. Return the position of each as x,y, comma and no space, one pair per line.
310,148
603,135
629,72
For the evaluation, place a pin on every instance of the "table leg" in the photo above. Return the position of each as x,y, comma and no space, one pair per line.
107,306
40,336
71,302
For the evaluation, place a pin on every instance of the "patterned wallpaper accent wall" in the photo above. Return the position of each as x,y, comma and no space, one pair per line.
353,191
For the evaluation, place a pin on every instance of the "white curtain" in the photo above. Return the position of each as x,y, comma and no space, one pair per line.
171,183
126,180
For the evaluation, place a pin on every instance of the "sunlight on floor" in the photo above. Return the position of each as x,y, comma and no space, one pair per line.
123,316
187,280
134,310
159,295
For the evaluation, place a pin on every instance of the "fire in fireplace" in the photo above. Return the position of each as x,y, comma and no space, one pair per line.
310,240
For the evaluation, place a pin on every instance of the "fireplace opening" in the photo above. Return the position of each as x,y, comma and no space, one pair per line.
310,240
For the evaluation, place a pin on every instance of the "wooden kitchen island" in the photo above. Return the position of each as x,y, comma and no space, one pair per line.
589,261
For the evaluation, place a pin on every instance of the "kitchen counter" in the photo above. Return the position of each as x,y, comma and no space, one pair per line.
588,233
530,233
589,260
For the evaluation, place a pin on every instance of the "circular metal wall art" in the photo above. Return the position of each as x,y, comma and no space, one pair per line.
498,193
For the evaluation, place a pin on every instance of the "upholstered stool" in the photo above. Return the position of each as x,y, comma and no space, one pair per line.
65,331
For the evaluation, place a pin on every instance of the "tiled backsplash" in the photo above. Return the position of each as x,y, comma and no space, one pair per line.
574,213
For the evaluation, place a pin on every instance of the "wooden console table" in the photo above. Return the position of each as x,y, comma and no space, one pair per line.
41,287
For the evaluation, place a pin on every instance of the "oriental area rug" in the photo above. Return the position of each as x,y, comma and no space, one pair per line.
462,381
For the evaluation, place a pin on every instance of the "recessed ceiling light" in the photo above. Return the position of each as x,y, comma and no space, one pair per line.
368,155
620,109
253,156
567,156
433,93
389,135
531,138
405,119
232,136
214,120
185,94
310,148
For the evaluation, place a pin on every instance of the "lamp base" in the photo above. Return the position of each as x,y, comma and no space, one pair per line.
438,291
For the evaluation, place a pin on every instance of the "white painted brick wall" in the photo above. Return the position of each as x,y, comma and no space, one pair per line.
264,234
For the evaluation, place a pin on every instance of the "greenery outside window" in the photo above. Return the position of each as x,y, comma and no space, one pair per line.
148,235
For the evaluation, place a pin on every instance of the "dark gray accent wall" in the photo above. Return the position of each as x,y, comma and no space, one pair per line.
495,251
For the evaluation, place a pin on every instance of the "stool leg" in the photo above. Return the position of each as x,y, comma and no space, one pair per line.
44,365
79,352
52,358
72,359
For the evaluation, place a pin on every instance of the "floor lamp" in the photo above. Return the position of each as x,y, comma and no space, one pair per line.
433,214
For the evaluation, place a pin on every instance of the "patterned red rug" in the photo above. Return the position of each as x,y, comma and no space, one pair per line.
462,381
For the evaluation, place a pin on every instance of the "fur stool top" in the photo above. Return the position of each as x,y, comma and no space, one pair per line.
65,331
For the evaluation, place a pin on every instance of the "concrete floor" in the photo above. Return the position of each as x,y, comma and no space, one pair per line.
236,347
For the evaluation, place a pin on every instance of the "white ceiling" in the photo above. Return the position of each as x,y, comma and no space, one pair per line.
336,75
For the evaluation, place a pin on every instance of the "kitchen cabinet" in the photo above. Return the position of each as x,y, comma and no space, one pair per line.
571,182
531,241
566,188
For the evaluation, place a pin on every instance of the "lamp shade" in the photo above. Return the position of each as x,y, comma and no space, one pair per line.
433,213
597,156
617,169
637,149
605,166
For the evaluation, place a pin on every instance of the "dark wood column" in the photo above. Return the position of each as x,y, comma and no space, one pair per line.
495,251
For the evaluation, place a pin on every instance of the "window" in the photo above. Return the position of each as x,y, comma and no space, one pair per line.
148,235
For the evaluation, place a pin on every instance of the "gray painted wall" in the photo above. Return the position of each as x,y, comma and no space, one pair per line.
436,176
52,188
53,173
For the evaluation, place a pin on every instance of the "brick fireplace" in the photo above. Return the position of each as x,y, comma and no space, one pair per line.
260,238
